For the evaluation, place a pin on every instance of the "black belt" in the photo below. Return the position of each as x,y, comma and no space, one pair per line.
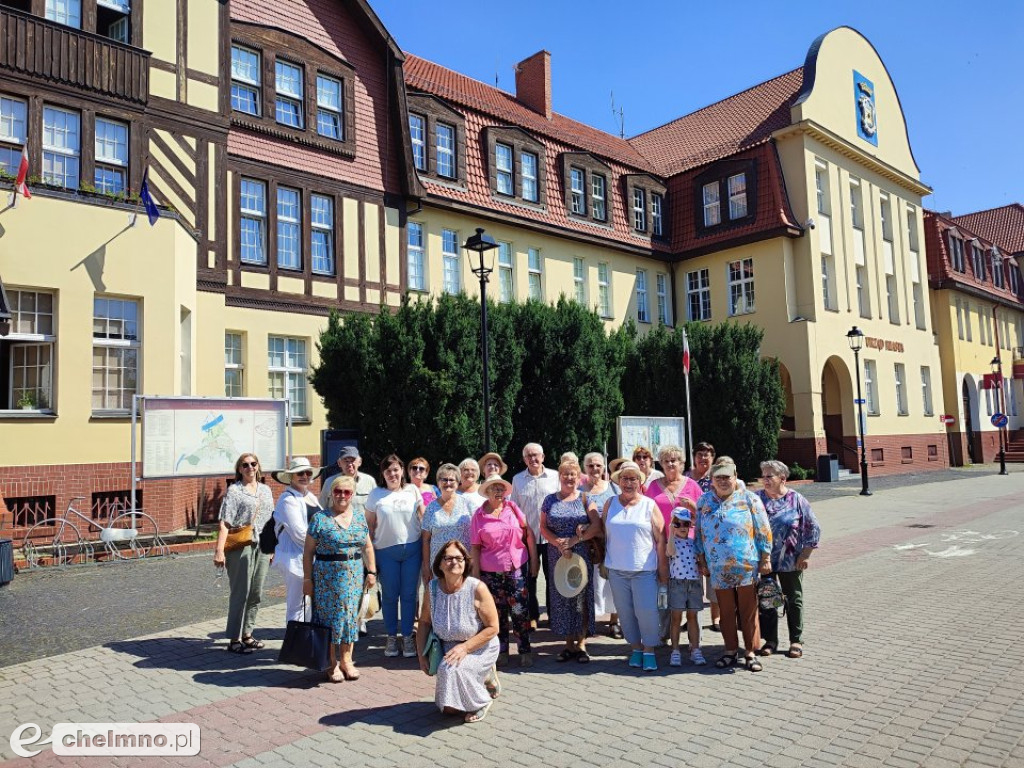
339,557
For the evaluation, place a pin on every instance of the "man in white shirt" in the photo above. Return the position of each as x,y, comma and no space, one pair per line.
529,488
349,462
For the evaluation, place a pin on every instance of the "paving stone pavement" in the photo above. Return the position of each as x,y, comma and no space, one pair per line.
913,658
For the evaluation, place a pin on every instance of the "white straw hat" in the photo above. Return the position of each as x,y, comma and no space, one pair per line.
571,575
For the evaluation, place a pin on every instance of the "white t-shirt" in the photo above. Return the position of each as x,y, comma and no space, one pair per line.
473,499
397,521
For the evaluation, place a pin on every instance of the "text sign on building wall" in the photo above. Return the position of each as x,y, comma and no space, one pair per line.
199,436
652,432
883,344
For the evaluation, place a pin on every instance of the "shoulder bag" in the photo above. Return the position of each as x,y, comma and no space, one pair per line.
306,645
238,538
433,651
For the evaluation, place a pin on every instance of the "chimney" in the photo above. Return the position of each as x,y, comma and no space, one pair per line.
533,83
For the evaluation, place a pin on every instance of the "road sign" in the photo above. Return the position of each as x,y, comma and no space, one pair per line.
947,419
999,420
859,401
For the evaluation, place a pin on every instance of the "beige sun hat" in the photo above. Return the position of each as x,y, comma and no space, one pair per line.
486,485
297,464
629,466
571,575
492,455
614,464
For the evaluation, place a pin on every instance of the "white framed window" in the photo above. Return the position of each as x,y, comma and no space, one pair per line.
329,100
111,173
821,188
13,117
506,278
960,319
912,236
604,289
978,262
245,80
234,365
997,268
639,210
737,196
417,260
67,12
290,99
828,281
856,204
529,163
712,204
918,293
451,275
885,217
534,265
968,323
289,228
253,221
321,221
579,280
863,290
741,287
599,196
444,138
870,388
643,312
116,346
29,347
988,401
61,147
698,295
956,252
119,30
664,309
900,372
657,214
503,167
418,131
893,298
1014,283
577,201
926,390
286,370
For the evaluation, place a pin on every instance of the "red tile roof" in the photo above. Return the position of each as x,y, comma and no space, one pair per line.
1003,226
940,269
721,129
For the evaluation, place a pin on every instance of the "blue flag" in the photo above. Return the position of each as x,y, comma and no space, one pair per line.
152,212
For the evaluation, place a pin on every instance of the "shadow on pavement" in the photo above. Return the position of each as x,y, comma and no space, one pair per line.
414,718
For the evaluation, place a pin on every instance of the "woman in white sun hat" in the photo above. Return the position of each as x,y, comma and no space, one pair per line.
295,508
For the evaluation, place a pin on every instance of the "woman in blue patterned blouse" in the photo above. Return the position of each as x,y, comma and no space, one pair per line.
795,534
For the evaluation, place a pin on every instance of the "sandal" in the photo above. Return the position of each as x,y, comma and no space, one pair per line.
616,631
768,649
753,664
582,657
480,714
566,655
795,652
252,643
727,660
237,646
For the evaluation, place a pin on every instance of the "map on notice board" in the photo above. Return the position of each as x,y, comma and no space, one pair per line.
194,437
652,432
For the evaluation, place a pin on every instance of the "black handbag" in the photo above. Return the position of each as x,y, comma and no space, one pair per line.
268,537
306,645
770,596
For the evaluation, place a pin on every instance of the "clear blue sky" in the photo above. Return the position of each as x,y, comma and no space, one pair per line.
958,67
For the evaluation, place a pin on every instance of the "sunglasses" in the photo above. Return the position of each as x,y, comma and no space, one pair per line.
342,492
451,560
417,468
304,473
250,464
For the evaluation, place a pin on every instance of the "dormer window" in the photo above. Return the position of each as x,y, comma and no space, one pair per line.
503,165
956,252
646,204
639,209
587,193
726,195
737,196
576,179
997,268
515,164
329,107
531,188
289,94
67,12
245,80
444,146
598,193
978,261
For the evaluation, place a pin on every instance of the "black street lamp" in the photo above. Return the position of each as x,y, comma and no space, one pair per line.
855,337
480,244
997,369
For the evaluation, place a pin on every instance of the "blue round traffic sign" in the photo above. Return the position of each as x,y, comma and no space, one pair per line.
999,420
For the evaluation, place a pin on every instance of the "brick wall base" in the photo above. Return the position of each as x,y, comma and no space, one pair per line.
172,503
886,454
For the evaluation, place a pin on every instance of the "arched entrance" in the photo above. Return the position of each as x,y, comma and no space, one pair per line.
837,411
970,406
789,414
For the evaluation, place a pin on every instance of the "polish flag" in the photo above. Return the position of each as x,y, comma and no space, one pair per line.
19,183
686,355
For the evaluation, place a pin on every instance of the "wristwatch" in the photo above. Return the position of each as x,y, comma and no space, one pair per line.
371,573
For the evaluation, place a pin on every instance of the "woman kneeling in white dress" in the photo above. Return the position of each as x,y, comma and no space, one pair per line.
461,611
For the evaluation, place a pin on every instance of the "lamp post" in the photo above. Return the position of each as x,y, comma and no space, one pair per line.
480,244
997,369
855,337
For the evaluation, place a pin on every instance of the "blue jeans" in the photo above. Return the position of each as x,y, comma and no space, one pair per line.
399,574
636,597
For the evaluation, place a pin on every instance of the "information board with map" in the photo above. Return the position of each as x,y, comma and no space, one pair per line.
199,436
652,432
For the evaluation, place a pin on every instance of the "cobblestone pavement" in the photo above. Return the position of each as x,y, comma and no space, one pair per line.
913,658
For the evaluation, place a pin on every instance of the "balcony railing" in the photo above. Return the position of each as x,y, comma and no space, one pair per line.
34,46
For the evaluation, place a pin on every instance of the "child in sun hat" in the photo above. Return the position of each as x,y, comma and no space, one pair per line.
684,585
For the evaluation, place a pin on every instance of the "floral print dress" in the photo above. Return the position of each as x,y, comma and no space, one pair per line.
732,534
338,584
794,528
567,613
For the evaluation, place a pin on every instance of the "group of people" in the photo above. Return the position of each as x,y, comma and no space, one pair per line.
647,546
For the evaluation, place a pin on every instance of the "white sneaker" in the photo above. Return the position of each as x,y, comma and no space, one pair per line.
676,659
697,657
409,647
391,648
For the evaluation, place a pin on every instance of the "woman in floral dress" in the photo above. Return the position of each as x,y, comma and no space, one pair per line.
567,520
340,540
447,518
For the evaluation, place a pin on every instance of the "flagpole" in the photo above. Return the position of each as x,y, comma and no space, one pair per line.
689,421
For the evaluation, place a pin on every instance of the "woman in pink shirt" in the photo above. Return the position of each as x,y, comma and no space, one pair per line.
674,489
503,549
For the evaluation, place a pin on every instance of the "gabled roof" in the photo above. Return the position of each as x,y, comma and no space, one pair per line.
734,124
1003,226
457,88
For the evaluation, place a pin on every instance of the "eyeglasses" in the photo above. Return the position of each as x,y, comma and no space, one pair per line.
768,477
417,468
342,492
446,480
304,473
453,559
680,524
250,464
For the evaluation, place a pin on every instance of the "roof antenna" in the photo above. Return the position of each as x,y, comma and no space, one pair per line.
619,116
496,66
